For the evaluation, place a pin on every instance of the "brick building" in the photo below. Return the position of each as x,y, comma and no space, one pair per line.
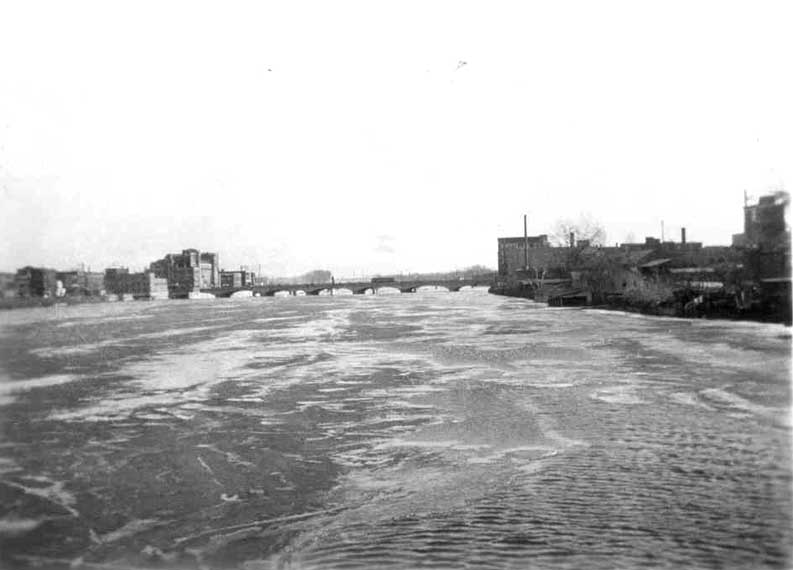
685,253
188,272
181,270
36,282
79,282
765,241
145,285
512,255
241,278
608,270
210,270
764,224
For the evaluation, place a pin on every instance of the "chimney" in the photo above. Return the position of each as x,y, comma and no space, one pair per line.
683,235
572,239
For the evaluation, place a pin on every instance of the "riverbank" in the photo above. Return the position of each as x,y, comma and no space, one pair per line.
34,302
684,304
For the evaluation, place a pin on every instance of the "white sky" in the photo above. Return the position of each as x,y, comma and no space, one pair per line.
345,135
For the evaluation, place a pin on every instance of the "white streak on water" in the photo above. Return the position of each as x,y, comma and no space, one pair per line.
54,492
14,526
8,387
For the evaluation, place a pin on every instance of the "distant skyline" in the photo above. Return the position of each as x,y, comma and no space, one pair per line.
366,138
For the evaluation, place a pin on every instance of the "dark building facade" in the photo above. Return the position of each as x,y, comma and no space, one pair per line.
241,278
36,282
764,223
181,270
686,253
609,270
79,282
765,241
188,272
512,254
145,285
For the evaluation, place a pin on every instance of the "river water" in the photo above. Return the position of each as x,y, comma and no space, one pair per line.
425,430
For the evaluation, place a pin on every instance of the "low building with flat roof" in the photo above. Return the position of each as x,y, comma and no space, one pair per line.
82,283
239,278
144,285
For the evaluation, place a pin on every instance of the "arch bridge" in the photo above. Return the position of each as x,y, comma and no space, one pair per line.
357,287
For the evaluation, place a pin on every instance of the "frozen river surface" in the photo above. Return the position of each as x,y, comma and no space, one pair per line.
437,430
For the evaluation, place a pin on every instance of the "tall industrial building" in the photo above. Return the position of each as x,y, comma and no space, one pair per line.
188,272
210,270
764,224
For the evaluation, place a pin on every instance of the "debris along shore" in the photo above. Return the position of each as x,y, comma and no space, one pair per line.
767,301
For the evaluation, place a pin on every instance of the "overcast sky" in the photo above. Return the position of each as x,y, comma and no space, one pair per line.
368,137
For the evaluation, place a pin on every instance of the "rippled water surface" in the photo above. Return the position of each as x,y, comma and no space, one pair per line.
426,430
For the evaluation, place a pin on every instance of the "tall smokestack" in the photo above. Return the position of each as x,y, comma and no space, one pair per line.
682,235
525,242
572,239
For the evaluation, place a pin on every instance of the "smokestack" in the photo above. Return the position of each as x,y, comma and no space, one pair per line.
572,239
525,242
682,235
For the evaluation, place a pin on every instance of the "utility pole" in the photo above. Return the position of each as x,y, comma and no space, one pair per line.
525,242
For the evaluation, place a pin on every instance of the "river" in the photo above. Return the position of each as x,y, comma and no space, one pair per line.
424,430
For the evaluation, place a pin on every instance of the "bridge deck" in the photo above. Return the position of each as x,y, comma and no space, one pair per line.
357,287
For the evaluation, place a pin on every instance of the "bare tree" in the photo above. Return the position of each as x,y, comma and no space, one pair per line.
585,227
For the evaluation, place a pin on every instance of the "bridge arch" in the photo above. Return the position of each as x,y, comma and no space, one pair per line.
388,290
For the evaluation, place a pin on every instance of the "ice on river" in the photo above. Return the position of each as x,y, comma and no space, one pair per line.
434,430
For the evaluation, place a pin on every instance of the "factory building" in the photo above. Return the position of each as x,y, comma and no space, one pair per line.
36,282
187,272
119,281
